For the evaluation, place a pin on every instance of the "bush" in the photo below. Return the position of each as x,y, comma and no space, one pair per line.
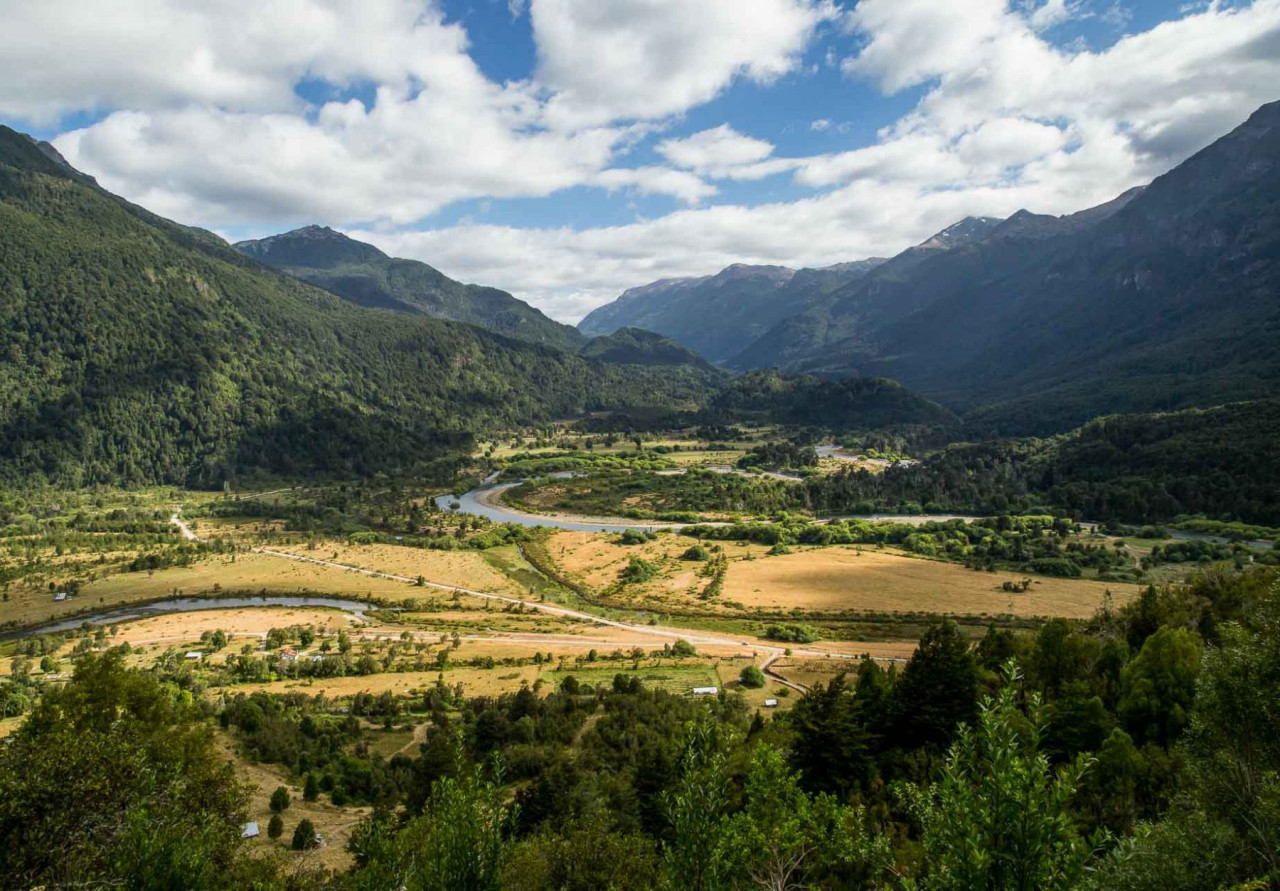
635,537
791,633
304,837
752,677
638,570
697,552
279,799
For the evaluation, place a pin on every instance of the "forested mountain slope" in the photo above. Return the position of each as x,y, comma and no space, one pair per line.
366,276
717,315
1162,299
633,346
135,350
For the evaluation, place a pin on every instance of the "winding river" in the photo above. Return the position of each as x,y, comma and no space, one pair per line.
486,501
186,605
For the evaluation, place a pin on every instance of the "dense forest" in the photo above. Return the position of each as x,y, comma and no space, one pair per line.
1137,750
137,351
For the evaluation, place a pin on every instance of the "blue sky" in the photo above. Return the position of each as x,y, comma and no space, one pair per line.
569,149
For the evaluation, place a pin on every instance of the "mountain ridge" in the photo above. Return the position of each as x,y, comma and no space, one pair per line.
366,276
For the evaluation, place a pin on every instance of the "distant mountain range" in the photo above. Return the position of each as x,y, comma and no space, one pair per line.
718,314
366,276
1166,297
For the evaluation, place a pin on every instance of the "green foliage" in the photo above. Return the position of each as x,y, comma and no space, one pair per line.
304,836
634,346
279,799
785,838
751,677
638,570
792,633
998,816
459,842
695,552
113,780
136,352
275,828
1158,686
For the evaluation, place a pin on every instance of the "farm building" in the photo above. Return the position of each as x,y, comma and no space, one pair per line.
705,691
250,830
771,703
288,653
194,655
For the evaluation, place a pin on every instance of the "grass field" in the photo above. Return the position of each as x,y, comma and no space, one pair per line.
842,578
823,580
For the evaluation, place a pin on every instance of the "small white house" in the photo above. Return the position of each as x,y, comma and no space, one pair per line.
705,691
250,830
771,703
194,656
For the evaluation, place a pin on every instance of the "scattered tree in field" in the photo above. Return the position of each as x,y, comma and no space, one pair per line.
275,828
304,836
279,799
311,788
752,677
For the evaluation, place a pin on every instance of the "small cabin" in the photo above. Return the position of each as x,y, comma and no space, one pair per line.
194,656
771,703
705,691
288,653
250,830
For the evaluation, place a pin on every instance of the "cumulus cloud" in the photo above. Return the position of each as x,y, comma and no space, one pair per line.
204,122
636,59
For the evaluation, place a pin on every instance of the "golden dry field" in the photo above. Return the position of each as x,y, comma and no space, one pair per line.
823,579
844,578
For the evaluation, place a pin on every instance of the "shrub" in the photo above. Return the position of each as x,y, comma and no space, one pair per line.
638,570
279,799
304,837
275,828
752,677
697,552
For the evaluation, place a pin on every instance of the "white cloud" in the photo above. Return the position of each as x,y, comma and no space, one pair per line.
637,59
820,125
208,128
657,181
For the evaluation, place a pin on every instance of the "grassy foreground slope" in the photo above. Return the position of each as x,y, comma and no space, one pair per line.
135,350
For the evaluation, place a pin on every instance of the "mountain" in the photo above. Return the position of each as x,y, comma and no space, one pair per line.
825,319
852,403
366,276
717,315
134,350
1161,299
635,346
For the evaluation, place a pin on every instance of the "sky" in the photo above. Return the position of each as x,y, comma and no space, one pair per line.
566,150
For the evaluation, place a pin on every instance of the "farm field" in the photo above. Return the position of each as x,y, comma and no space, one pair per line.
847,578
822,580
254,573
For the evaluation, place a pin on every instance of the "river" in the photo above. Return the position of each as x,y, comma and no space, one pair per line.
185,605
